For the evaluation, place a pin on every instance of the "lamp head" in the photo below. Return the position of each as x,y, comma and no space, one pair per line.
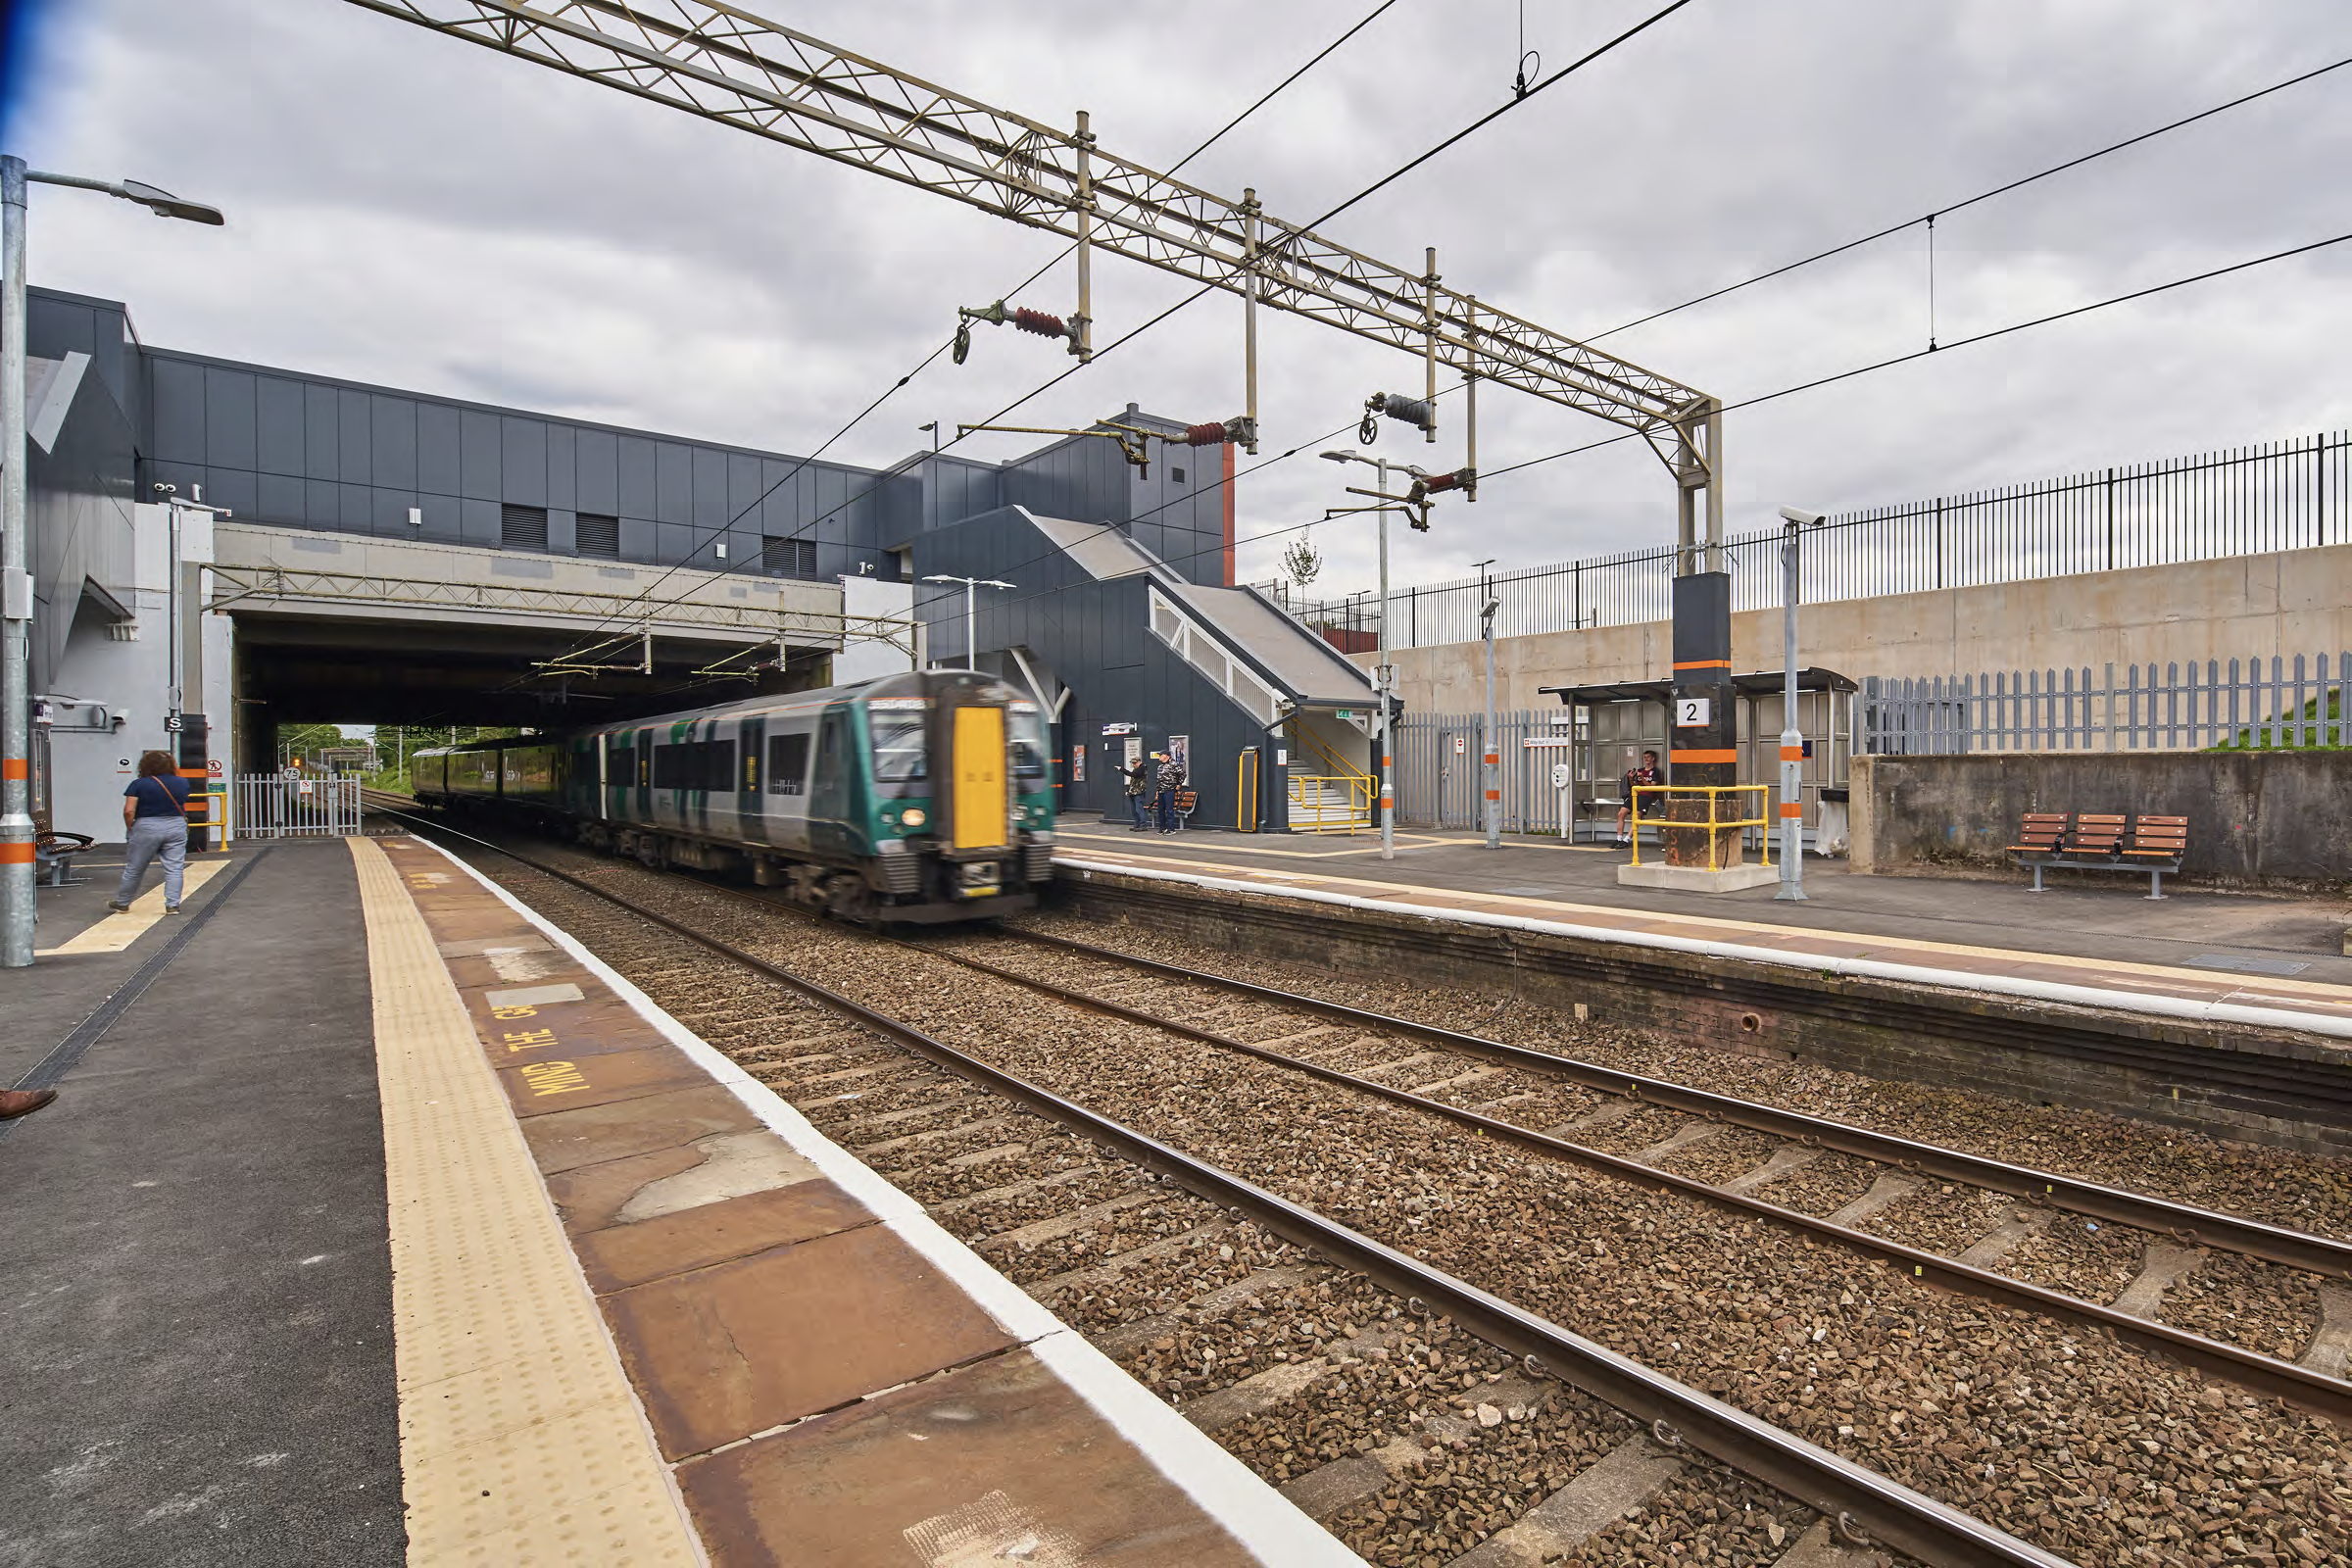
1341,457
163,204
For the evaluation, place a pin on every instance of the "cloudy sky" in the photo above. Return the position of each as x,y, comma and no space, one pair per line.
415,211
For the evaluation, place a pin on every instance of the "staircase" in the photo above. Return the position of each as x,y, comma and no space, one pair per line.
1330,805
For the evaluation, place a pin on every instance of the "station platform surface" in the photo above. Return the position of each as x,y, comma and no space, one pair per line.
2247,957
377,1221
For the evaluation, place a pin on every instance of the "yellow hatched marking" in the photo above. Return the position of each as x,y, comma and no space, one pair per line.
521,1440
124,927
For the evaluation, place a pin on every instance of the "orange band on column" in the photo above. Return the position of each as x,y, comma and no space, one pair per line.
16,768
1793,754
1727,754
1494,795
15,854
1789,808
1703,663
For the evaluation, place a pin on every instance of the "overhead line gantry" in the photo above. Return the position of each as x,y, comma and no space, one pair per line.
740,69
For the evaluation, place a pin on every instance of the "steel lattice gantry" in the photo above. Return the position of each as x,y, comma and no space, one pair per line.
727,65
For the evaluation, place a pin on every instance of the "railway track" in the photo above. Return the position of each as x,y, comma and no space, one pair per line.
1165,1291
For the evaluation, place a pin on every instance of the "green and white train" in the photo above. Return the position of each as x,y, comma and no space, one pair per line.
921,797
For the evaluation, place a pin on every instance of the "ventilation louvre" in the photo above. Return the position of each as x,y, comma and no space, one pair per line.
596,534
523,528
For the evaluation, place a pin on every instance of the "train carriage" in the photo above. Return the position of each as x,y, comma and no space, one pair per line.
914,798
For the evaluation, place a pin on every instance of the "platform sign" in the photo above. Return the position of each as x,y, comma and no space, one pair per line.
1118,729
1461,744
1692,713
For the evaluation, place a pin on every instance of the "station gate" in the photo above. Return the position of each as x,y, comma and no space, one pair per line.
295,806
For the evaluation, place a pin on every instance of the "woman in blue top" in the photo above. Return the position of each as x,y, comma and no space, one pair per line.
154,818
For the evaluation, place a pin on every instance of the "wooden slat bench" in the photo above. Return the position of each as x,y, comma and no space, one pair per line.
51,850
2102,840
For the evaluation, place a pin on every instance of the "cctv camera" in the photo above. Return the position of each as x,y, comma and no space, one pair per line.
1798,514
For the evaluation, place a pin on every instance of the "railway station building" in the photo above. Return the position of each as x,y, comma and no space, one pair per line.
385,555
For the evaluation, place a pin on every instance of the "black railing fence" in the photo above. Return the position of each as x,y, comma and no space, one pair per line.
2245,500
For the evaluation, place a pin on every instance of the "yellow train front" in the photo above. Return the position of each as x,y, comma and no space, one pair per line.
920,798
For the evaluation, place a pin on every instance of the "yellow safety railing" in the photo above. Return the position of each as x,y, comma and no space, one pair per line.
1339,765
1311,809
1244,790
1713,821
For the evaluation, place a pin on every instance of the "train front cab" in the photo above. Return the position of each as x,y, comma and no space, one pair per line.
962,819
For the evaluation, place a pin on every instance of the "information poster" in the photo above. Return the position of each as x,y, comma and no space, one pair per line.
1180,746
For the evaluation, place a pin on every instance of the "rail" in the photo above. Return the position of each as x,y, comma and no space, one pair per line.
1313,810
1714,824
1677,1414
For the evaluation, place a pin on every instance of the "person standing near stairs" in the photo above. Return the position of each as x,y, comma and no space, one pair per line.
1171,779
1139,790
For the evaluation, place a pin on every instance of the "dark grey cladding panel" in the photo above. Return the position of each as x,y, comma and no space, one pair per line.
281,499
178,435
227,418
322,505
356,422
562,468
277,425
321,430
637,539
481,445
522,451
238,489
597,463
673,482
479,523
744,487
392,441
439,444
357,506
637,476
388,512
710,510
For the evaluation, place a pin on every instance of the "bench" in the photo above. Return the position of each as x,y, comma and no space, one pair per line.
51,850
2102,840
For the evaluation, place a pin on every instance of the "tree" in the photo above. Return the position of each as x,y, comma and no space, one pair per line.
1301,561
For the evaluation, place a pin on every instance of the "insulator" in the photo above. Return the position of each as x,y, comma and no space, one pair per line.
1038,321
1415,411
1437,482
1206,435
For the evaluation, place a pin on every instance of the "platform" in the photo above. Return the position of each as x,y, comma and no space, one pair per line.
2269,960
386,1224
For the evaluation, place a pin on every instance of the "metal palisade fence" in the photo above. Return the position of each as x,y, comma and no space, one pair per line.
287,806
2288,704
2281,495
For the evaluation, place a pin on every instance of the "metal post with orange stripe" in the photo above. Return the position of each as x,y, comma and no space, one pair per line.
1792,739
1703,739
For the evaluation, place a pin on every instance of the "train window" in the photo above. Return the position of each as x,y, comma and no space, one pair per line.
787,764
621,767
1028,741
900,755
670,766
718,765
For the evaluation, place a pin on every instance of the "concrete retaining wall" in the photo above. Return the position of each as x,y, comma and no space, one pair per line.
2296,601
2255,819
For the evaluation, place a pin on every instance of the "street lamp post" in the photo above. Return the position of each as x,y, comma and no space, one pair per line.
1490,749
1792,739
971,640
1383,675
16,579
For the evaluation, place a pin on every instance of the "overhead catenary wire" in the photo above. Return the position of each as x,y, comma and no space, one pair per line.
2002,189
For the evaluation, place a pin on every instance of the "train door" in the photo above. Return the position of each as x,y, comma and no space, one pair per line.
976,739
832,792
750,816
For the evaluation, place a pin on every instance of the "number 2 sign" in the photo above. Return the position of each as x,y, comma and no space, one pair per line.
1690,713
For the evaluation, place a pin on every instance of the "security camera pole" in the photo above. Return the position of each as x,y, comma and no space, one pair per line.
17,853
1490,749
971,639
1792,739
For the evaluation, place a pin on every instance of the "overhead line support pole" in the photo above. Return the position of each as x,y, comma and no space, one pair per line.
1429,346
1083,344
1249,227
16,854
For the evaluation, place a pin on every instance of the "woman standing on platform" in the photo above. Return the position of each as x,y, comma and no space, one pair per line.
154,818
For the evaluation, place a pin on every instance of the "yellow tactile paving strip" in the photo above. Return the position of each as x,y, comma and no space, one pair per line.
1961,963
521,1439
120,930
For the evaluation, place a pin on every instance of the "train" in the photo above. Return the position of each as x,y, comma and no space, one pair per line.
918,798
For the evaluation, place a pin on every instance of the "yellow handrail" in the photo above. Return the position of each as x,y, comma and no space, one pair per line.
1713,824
1360,803
1339,764
1244,790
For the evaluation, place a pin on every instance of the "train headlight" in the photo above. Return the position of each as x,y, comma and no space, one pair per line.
913,816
